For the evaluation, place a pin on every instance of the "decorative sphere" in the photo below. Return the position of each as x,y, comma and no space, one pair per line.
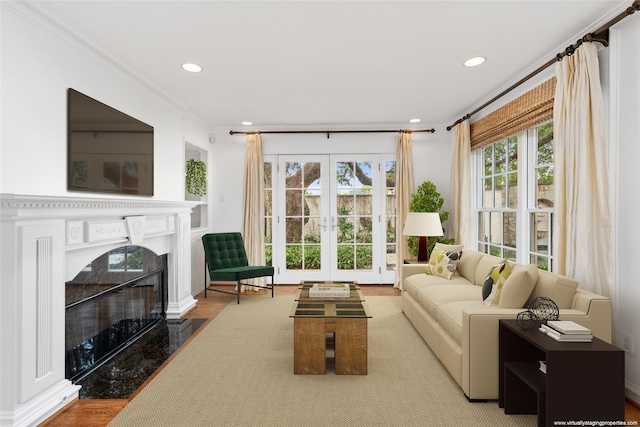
525,320
544,309
540,310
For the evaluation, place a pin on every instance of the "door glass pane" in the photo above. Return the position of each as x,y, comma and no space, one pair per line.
293,175
294,257
312,257
294,230
294,202
345,257
365,230
364,257
346,230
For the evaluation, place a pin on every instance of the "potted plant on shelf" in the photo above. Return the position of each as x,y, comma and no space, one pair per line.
196,177
427,199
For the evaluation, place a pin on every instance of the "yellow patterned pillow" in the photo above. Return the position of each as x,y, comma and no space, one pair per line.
494,281
443,263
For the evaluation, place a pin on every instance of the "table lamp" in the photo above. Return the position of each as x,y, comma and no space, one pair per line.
423,225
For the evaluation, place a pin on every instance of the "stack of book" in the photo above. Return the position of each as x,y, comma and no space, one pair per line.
567,331
330,290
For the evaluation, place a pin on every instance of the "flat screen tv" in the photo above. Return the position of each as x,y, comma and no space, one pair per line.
108,151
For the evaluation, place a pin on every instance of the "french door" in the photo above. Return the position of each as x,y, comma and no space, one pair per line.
332,219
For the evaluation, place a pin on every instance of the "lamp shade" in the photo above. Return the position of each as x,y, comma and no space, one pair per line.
423,224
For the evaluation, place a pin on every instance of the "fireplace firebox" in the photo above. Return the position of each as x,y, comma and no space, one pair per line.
110,304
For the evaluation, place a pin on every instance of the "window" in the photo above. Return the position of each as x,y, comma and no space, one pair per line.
515,197
541,204
268,211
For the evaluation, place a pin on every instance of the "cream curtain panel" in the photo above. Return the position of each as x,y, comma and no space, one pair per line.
460,206
253,222
404,189
582,220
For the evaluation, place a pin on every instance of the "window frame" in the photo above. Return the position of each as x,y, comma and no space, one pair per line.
526,200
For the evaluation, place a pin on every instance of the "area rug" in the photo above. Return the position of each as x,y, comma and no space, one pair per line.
238,371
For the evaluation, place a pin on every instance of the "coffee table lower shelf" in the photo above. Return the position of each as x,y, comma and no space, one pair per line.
343,319
310,345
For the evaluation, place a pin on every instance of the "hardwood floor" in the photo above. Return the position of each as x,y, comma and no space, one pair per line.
98,413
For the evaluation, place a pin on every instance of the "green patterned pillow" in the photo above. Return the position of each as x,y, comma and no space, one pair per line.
494,281
443,263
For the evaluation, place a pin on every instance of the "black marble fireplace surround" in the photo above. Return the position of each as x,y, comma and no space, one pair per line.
113,301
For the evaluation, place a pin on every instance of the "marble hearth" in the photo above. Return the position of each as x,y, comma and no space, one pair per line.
45,242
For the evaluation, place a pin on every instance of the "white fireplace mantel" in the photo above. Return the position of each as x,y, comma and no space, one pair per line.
46,241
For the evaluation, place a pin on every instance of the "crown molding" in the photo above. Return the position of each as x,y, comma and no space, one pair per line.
38,16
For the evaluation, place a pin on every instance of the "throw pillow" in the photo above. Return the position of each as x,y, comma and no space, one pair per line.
443,263
494,281
518,286
446,247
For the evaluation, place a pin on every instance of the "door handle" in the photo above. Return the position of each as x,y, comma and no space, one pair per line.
333,223
324,224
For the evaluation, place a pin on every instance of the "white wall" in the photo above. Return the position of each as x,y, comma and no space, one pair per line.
431,154
624,105
39,63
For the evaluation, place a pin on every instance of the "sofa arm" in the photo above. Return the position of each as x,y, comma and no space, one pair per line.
411,269
480,350
592,311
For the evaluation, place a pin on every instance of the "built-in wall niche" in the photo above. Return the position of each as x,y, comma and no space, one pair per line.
199,216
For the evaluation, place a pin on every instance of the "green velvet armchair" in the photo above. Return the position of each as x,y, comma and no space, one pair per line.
226,260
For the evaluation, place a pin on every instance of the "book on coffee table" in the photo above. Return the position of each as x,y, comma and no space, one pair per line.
330,290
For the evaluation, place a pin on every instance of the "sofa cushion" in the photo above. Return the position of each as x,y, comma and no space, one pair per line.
486,263
449,317
518,286
468,264
560,289
415,282
443,263
492,285
431,297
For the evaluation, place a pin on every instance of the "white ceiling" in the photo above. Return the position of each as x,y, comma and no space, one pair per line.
311,63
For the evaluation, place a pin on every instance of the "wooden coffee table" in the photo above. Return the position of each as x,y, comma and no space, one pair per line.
345,318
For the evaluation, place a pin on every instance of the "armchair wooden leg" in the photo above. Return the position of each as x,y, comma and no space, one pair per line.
272,286
238,289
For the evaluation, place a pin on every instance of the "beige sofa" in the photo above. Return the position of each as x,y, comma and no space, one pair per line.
462,330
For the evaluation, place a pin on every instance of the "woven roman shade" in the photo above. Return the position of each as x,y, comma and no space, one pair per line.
532,108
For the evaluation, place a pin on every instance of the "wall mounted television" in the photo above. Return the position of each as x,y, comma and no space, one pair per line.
108,151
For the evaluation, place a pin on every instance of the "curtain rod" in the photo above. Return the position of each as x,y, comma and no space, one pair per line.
329,132
601,35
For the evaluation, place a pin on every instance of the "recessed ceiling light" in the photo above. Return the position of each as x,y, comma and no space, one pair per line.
415,121
247,123
191,67
476,60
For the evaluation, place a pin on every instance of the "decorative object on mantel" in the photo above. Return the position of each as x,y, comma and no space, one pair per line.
196,177
539,312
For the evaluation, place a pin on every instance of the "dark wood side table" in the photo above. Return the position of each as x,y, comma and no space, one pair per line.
584,381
